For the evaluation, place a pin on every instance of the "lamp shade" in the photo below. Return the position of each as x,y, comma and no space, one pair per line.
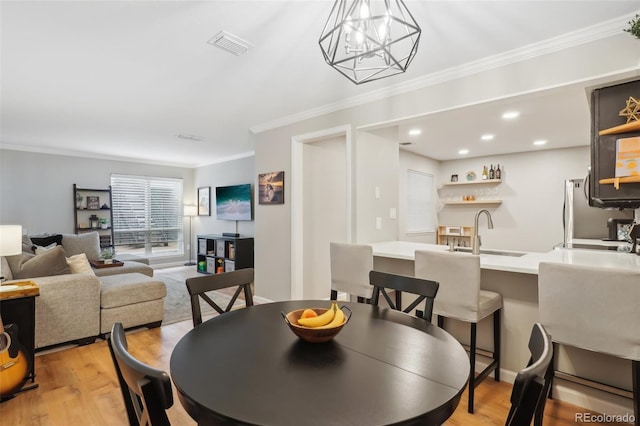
10,240
190,210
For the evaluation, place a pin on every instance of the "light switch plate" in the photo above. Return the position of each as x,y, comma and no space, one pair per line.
392,213
377,192
378,223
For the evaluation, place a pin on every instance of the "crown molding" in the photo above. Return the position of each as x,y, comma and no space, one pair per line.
590,34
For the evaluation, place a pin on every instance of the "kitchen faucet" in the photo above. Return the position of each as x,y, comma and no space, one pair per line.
476,236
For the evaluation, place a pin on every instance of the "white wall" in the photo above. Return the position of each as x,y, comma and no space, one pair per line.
532,190
411,161
36,190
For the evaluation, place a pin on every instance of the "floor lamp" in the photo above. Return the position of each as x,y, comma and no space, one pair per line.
190,211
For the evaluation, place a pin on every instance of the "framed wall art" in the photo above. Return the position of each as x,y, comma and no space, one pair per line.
271,186
93,202
204,201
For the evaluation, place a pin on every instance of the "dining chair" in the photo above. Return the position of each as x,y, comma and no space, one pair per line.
461,298
531,386
595,309
146,390
350,266
426,291
199,286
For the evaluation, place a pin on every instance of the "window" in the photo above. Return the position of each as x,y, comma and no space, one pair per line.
420,208
147,215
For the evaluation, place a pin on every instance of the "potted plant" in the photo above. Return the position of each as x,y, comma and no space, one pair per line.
79,199
107,255
104,223
634,27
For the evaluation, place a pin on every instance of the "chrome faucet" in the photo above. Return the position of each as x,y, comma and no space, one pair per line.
476,236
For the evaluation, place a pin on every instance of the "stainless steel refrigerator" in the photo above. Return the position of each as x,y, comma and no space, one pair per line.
582,221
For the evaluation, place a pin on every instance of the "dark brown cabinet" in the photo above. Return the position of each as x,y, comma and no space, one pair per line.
223,253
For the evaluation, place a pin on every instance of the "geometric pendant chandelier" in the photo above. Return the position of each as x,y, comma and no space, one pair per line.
367,40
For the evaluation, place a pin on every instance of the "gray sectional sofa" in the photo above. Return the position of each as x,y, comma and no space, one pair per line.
78,303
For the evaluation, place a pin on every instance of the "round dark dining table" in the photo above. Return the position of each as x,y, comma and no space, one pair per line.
384,367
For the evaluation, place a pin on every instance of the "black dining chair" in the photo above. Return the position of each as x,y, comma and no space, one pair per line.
531,387
426,291
199,286
146,390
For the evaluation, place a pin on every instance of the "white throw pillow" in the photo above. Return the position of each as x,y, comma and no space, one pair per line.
41,249
79,264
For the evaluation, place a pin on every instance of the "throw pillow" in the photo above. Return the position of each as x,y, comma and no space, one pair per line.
27,244
87,243
45,240
40,250
51,262
79,264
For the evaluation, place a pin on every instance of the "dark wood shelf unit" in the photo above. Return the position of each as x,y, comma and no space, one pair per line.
225,252
81,213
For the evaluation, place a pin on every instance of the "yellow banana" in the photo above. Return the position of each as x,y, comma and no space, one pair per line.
320,320
338,319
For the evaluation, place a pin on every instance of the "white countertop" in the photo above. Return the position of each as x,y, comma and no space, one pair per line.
526,264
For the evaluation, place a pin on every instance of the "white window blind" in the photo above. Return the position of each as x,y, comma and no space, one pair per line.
147,214
421,212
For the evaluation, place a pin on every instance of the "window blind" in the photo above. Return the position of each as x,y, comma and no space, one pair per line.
147,213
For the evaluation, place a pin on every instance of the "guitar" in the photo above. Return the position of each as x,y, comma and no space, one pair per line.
14,364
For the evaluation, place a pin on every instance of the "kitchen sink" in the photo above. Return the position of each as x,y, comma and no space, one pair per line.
488,251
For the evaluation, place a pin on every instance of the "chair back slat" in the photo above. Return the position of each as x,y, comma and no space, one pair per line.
146,390
199,286
426,291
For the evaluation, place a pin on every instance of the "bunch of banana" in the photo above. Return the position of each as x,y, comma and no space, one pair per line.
333,317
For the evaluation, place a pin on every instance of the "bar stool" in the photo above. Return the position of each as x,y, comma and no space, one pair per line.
460,298
596,309
350,267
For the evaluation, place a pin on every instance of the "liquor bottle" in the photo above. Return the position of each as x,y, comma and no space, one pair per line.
485,174
492,173
498,172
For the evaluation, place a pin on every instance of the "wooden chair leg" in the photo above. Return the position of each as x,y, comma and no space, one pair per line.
440,321
472,374
496,344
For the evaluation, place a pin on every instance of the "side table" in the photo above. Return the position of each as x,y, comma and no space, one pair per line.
18,306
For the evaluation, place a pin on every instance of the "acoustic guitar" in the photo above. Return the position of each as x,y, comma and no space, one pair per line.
14,364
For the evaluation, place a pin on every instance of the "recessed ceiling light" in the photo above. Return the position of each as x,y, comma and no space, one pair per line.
540,142
415,132
487,137
509,115
463,151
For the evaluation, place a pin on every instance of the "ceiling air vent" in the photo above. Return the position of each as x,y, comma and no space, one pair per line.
230,43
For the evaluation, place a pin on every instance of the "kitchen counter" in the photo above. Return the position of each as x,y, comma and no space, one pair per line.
513,261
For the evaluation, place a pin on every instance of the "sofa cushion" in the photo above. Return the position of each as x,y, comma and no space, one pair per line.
128,267
87,243
40,249
127,289
51,262
27,244
79,264
45,240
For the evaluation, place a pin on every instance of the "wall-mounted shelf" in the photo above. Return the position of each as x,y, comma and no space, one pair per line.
617,181
472,182
634,126
458,203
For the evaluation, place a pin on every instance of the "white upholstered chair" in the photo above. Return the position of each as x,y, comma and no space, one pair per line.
460,298
593,308
350,267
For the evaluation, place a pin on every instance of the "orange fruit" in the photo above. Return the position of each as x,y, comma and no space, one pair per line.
308,313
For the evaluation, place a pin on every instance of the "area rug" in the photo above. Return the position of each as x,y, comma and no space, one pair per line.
177,305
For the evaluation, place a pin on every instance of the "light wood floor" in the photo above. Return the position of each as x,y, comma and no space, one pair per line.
78,386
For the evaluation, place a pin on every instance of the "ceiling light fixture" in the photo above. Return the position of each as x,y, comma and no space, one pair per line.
415,132
359,36
540,142
463,151
487,137
509,115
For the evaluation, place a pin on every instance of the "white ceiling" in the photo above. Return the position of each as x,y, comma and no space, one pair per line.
122,79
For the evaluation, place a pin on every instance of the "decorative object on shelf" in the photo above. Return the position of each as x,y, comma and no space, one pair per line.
104,223
190,211
367,41
79,199
471,176
93,202
104,207
631,111
94,221
485,173
271,186
454,178
107,256
634,27
204,201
